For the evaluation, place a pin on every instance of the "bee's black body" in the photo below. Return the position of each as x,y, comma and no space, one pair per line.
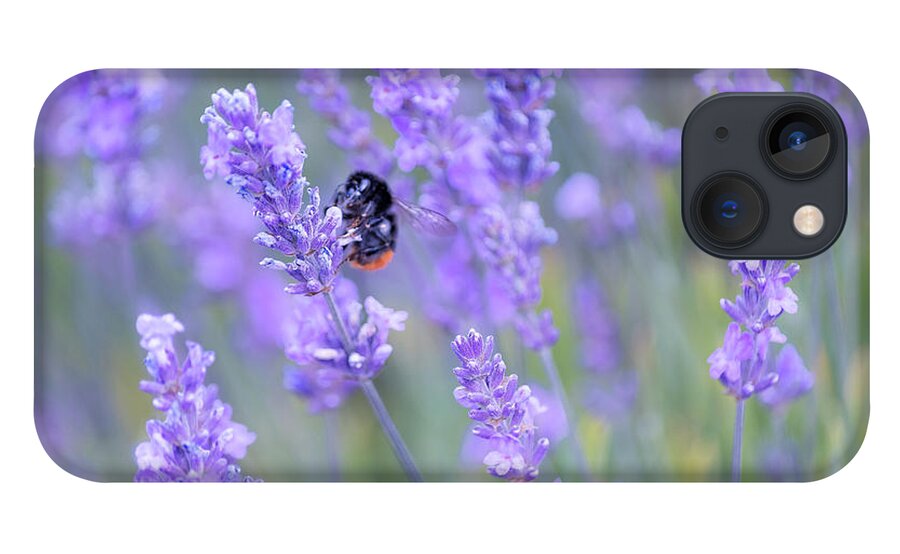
366,203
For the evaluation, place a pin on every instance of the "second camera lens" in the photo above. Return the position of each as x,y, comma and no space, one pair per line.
730,209
798,142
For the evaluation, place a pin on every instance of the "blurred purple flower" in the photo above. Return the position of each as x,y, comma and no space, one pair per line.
196,440
741,363
580,200
102,115
450,300
105,117
510,249
601,351
262,159
325,372
579,197
351,128
518,125
509,235
121,199
611,390
453,150
782,461
214,225
500,408
612,395
213,229
621,126
714,81
419,104
794,380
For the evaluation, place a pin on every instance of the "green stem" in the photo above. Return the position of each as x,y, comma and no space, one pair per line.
738,442
368,388
556,384
390,430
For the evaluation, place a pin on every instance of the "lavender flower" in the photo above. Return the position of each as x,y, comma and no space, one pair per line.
350,127
419,104
518,126
325,373
453,150
500,409
510,248
546,413
106,118
196,440
509,240
262,158
742,364
509,234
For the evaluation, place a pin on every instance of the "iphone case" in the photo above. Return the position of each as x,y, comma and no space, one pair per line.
322,275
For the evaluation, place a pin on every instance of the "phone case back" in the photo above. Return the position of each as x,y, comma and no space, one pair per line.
481,275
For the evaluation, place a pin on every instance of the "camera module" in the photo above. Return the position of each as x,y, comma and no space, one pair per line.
764,175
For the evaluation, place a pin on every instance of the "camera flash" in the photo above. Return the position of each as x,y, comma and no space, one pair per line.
809,220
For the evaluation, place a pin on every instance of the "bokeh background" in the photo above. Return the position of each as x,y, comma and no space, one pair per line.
636,303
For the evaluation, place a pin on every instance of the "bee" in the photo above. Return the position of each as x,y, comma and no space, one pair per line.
370,220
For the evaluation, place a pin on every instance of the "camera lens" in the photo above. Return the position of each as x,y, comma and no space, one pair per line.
798,142
730,209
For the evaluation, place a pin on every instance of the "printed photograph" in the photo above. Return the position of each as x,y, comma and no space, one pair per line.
426,275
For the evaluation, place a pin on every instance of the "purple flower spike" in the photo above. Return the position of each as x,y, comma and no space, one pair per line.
764,293
351,128
196,440
262,158
518,125
419,104
742,364
510,248
503,411
324,373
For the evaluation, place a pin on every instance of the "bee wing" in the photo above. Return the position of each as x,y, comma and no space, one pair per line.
425,220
